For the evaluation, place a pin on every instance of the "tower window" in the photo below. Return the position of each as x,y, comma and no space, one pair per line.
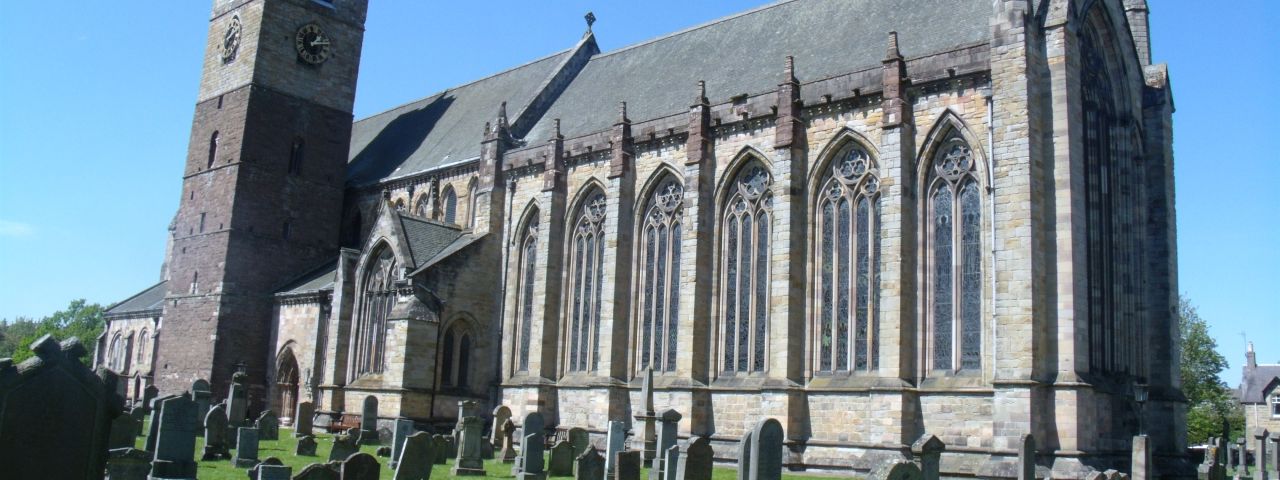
202,222
213,149
195,282
285,230
295,157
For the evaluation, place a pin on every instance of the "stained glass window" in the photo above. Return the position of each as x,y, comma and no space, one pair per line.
376,299
847,289
449,214
660,295
746,271
586,277
526,276
955,265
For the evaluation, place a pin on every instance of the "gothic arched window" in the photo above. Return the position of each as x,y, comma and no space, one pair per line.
848,264
143,338
423,208
377,297
449,210
745,277
526,276
455,357
399,206
471,204
113,353
660,278
953,235
586,259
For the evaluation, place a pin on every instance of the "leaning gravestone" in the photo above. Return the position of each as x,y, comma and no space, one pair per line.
369,421
201,394
466,408
176,443
303,419
238,401
306,447
468,461
896,470
668,424
589,465
128,464
669,461
414,462
404,427
561,462
246,447
615,441
268,426
360,466
500,416
215,434
318,471
343,447
580,440
124,432
928,449
508,452
627,465
696,460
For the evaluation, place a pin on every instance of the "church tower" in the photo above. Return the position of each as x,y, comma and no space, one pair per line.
263,184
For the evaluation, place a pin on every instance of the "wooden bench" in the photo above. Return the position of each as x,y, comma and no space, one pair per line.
344,422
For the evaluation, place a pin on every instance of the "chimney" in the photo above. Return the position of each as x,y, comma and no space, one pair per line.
1251,359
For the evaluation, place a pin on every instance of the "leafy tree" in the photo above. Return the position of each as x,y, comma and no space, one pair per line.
80,319
13,332
1209,400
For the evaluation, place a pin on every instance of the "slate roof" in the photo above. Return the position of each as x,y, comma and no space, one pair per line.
321,278
443,128
427,238
745,54
1256,382
147,300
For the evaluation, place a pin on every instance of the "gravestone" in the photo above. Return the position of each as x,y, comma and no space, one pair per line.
530,462
500,416
1027,457
139,414
466,408
1140,466
369,421
246,447
268,426
128,464
669,461
451,445
1242,458
468,461
360,466
275,472
928,450
306,447
439,450
615,441
1261,437
176,439
318,471
303,419
215,433
766,450
404,427
668,426
486,448
627,465
415,462
153,430
1212,468
237,404
696,460
343,447
124,432
508,452
896,470
1275,454
744,456
201,394
579,439
589,465
561,462
266,462
148,394
646,417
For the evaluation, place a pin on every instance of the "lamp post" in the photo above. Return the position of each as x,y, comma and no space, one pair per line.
1140,396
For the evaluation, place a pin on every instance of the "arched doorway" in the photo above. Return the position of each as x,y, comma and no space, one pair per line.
287,386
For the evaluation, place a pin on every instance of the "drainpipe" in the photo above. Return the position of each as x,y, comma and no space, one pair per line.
991,208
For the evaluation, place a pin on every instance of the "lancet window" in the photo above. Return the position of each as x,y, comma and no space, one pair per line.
377,298
745,272
526,276
954,244
660,278
586,252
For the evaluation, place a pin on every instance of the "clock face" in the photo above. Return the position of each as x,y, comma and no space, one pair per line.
231,40
312,44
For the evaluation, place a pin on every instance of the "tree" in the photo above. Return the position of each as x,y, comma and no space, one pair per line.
1209,400
80,319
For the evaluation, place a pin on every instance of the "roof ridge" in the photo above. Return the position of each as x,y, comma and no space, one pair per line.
429,221
697,27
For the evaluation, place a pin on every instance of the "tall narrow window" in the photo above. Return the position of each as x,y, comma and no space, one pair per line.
525,302
449,210
455,356
953,227
446,358
143,339
195,282
376,299
399,206
423,209
848,224
213,149
745,302
660,278
295,157
586,254
113,354
471,204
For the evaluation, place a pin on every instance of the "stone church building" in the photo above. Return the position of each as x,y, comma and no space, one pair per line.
873,220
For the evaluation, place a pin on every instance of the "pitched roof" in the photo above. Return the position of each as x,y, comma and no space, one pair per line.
321,278
744,54
427,238
1256,381
443,128
147,300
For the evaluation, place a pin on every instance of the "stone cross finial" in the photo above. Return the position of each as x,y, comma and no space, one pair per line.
702,93
591,19
893,53
622,112
790,72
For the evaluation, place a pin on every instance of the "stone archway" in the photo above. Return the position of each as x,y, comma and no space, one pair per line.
286,385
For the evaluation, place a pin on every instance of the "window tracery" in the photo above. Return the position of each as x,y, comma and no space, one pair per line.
745,260
954,223
378,297
848,260
585,279
525,301
660,278
449,210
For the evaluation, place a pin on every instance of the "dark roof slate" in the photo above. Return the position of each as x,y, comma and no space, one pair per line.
443,128
427,238
745,53
1256,381
321,278
147,300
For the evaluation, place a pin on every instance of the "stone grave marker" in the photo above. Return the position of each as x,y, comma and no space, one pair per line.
304,418
306,447
508,452
766,450
439,450
148,394
360,466
486,448
201,394
579,439
451,445
744,456
468,461
466,408
646,417
627,465
896,470
318,471
1242,456
561,462
215,433
696,460
176,440
369,421
531,461
533,425
124,431
615,441
153,430
928,449
246,447
1212,467
268,426
269,461
500,416
1140,464
668,426
1027,457
1275,454
589,465
415,458
1261,436
237,404
128,464
404,427
343,447
669,461
275,472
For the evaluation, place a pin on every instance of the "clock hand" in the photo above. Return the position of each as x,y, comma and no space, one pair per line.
320,41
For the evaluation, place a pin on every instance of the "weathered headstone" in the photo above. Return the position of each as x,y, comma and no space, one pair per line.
561,462
627,465
766,450
696,460
451,445
668,426
646,417
530,462
466,408
1027,457
1140,466
744,456
201,394
139,414
306,447
124,432
343,446
896,470
500,416
246,447
153,430
439,449
237,403
928,449
1261,437
670,459
1212,468
266,462
176,439
580,440
404,427
508,452
128,464
468,461
415,462
318,471
615,441
268,426
360,466
1242,462
148,394
275,472
486,448
303,419
369,421
215,433
589,465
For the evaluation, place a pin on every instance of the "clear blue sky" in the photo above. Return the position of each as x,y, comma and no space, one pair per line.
96,100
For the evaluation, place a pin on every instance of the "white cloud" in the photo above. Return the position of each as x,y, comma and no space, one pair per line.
16,229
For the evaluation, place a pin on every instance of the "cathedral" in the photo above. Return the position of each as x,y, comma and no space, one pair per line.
873,220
